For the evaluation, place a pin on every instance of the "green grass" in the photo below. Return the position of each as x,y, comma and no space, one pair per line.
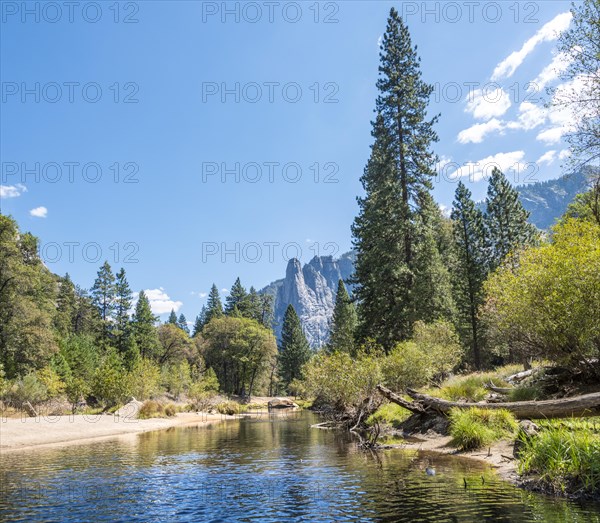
525,394
565,459
476,427
304,404
388,413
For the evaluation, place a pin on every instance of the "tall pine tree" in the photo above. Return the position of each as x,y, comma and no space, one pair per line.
471,267
172,318
123,302
200,322
143,327
236,297
182,324
214,308
294,350
103,298
66,305
343,322
506,220
397,180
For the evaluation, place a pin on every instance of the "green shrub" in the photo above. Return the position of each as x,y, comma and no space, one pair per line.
150,409
230,408
475,427
27,389
76,389
390,414
406,366
109,384
55,386
470,387
170,410
176,377
565,459
144,379
203,391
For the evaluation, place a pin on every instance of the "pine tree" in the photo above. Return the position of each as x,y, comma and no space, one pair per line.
172,318
123,302
397,179
200,322
433,295
143,327
237,296
182,324
252,305
214,308
66,306
103,298
506,220
344,322
294,350
471,266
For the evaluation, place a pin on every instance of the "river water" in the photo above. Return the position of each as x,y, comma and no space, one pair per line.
271,469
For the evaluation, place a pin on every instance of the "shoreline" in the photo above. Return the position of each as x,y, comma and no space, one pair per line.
496,455
42,432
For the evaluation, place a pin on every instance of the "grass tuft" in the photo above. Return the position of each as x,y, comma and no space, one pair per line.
566,460
476,427
230,408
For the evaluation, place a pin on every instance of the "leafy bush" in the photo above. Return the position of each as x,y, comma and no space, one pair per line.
547,305
476,427
390,414
406,366
109,383
144,379
203,391
340,381
564,459
230,408
150,409
55,386
77,389
170,410
27,389
433,352
176,377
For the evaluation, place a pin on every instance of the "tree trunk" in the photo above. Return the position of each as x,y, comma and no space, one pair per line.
586,405
394,398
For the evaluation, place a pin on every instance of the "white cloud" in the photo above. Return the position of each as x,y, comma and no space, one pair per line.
552,71
379,41
488,102
482,169
530,116
551,136
39,212
203,294
548,32
225,291
12,191
160,302
477,132
548,157
565,153
445,210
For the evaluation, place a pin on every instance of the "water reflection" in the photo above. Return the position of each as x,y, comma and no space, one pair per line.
269,469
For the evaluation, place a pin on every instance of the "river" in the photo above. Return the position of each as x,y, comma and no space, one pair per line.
270,469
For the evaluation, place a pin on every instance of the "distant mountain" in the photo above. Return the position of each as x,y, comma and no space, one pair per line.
547,201
311,290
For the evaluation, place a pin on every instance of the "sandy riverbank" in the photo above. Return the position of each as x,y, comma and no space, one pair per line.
42,432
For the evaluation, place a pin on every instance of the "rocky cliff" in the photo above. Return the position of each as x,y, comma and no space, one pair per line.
311,290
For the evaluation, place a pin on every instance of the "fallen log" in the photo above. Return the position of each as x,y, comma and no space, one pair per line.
586,405
499,390
398,400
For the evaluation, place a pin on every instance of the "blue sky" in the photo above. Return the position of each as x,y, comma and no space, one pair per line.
192,145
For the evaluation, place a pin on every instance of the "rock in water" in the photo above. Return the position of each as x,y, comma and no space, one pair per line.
282,403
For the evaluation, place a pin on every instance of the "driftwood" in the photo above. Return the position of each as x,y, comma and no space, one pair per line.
586,405
394,398
520,376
